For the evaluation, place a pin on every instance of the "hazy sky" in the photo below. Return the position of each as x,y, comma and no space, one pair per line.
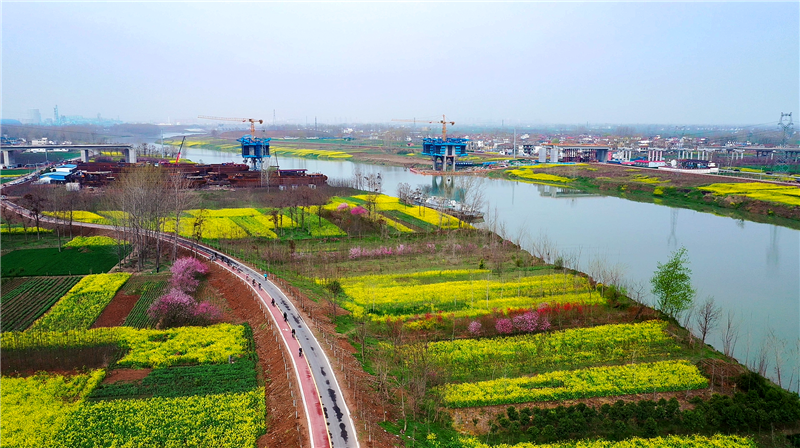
672,63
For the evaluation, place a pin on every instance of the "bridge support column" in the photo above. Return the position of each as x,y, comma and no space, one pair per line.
85,155
602,155
554,155
8,158
542,155
130,155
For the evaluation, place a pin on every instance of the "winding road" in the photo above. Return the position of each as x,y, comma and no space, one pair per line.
329,420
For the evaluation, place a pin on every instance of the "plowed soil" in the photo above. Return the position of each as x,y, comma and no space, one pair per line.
115,313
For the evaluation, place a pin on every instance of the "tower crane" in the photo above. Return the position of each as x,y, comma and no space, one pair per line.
252,121
443,122
444,150
253,149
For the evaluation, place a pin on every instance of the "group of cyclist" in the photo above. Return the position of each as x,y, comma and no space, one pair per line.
256,284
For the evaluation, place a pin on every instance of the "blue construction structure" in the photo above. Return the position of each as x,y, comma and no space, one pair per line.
444,152
254,150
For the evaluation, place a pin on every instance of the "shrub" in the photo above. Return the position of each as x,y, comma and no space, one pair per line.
475,328
504,326
173,309
358,211
527,323
185,272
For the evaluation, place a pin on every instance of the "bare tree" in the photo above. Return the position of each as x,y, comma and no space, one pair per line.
730,333
139,194
404,193
180,200
9,216
56,203
335,288
374,184
544,248
358,177
778,347
35,203
707,317
473,195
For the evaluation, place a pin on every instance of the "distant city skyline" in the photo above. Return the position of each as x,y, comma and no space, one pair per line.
478,63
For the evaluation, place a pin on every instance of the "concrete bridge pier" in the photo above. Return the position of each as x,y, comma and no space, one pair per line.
554,155
602,155
8,158
130,155
543,155
85,155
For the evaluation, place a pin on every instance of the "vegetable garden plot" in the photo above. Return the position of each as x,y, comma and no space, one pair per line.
151,291
470,359
81,306
49,261
690,441
35,408
784,194
662,376
183,381
28,301
406,296
221,420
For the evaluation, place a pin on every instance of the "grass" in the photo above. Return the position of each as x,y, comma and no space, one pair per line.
51,261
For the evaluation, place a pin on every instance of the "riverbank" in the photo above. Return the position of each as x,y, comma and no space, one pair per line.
674,189
684,190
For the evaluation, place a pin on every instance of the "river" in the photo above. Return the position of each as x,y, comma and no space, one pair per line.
751,269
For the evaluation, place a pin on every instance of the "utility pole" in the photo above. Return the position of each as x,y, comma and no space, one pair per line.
515,143
786,125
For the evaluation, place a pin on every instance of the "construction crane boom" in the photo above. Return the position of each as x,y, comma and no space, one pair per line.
252,122
443,122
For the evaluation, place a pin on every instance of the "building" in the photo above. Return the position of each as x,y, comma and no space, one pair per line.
34,117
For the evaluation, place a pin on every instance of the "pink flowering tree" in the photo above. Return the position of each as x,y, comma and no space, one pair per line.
527,323
176,308
205,313
504,326
475,328
186,272
173,309
342,207
358,211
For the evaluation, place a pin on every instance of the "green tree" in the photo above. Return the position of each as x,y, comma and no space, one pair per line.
672,284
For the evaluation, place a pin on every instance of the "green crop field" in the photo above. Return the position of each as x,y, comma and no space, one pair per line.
49,261
150,291
28,301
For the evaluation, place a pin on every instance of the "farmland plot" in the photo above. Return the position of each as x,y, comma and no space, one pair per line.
25,303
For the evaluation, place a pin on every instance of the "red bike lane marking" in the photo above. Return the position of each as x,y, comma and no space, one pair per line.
318,427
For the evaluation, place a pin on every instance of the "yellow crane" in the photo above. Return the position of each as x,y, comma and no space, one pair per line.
252,122
443,122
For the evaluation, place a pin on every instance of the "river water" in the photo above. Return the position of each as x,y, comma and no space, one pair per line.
751,269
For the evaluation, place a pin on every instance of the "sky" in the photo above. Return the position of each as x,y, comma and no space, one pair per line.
477,63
